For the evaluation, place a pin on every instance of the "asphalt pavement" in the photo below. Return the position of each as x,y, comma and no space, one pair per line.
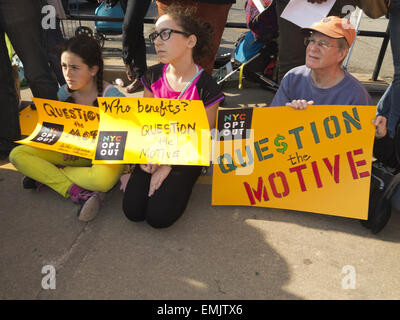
211,252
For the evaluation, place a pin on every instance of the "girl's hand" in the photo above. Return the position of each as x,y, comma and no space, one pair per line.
124,181
299,104
380,124
69,157
149,168
158,177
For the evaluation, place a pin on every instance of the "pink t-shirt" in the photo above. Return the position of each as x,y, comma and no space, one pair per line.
202,88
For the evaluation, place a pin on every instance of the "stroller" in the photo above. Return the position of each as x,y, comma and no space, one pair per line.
72,26
256,51
108,9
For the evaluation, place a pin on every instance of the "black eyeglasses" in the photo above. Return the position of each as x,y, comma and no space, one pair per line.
165,34
320,43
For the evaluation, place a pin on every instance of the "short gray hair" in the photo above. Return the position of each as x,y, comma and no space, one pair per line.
342,43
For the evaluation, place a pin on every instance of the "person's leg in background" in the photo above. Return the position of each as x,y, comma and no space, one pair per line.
290,42
54,39
384,105
391,98
394,25
292,52
216,15
21,20
161,5
9,120
133,43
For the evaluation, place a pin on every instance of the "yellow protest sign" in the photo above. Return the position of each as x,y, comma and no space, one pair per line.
27,120
64,127
315,160
152,130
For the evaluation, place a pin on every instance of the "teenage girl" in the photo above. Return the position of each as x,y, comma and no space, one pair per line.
71,176
159,194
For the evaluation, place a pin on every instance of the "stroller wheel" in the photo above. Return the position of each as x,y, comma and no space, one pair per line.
100,37
84,30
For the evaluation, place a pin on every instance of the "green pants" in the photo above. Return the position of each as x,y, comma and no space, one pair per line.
41,165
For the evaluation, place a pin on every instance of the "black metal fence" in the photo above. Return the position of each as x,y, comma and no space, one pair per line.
362,33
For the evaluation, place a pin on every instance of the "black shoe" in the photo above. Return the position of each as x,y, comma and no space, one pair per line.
29,183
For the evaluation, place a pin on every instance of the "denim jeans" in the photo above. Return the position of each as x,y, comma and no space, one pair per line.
389,104
133,43
21,20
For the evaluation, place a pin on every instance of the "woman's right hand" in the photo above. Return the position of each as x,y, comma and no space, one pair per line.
380,125
158,177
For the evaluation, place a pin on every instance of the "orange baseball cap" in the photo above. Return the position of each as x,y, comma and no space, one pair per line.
335,27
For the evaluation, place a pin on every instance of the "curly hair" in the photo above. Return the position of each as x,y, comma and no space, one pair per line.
185,17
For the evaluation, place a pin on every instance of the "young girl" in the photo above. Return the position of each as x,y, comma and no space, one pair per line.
70,176
159,193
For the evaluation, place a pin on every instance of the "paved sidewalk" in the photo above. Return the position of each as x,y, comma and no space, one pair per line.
210,253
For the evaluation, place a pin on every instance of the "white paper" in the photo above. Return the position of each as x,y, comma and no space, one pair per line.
304,13
259,5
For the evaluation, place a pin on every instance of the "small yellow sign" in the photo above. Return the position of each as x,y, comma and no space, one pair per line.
315,160
64,127
152,130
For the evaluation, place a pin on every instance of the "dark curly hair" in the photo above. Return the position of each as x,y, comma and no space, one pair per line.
185,16
90,52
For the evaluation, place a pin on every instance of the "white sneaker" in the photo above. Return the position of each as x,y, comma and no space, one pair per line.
91,206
